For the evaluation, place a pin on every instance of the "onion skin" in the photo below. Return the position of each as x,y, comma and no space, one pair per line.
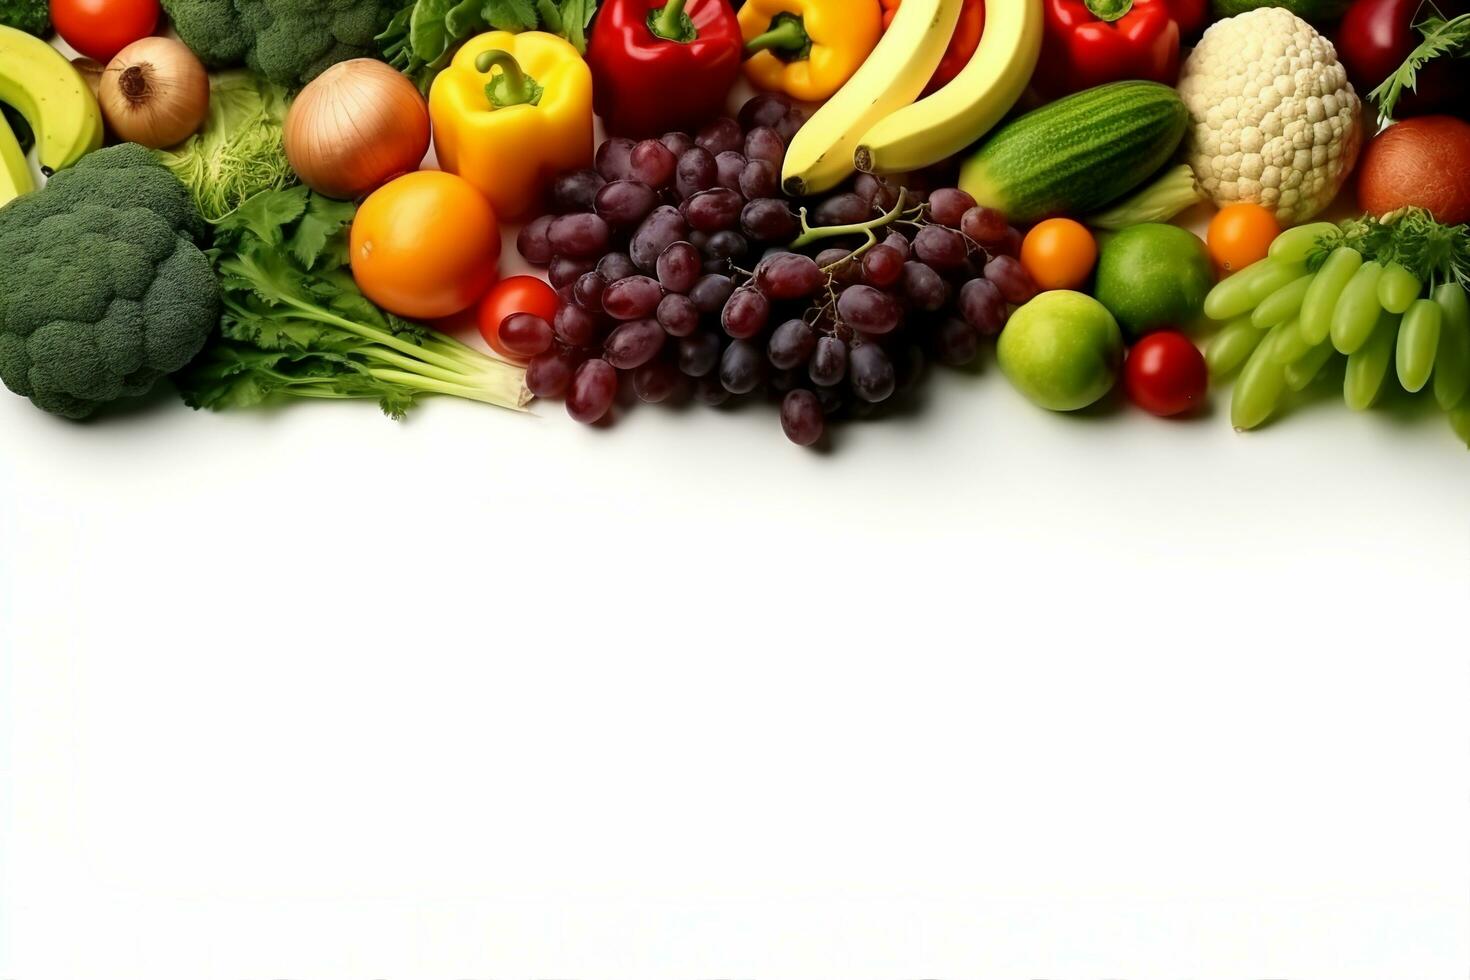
355,127
155,92
91,72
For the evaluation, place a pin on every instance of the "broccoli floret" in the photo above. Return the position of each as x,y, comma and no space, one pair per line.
123,176
290,42
31,16
103,288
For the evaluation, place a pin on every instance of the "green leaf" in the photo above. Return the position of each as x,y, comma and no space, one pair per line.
324,221
550,16
1441,38
231,375
511,15
464,19
226,376
265,273
353,305
426,32
267,214
576,16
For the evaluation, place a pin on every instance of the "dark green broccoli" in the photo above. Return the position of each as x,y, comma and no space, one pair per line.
103,288
290,42
31,16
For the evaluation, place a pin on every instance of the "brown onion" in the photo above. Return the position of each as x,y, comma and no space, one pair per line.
358,125
155,92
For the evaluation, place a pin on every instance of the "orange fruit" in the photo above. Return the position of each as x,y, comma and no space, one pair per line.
1240,234
1059,253
425,245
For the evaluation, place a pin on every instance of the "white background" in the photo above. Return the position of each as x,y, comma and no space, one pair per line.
984,692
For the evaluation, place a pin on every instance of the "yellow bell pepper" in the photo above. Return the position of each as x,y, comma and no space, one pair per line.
807,48
510,112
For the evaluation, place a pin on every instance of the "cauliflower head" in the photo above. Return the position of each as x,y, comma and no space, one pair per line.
103,289
290,42
1273,118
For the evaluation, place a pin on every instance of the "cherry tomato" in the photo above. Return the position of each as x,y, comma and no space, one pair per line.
1239,235
1059,253
1166,374
518,294
100,29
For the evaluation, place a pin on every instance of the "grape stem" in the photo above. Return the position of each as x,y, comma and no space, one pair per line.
809,234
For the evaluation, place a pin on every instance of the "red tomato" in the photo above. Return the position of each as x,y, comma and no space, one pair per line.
518,294
100,29
1166,374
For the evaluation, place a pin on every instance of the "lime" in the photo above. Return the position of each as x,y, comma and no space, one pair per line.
1153,275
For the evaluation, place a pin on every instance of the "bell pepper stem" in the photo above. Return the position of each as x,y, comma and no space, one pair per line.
671,23
514,86
787,34
1108,10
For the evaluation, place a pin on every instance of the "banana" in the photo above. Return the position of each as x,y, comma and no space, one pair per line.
820,155
944,123
15,169
52,95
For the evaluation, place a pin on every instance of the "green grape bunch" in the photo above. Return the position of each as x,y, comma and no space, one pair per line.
1369,295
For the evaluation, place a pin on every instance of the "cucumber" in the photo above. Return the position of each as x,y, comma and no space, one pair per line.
1079,153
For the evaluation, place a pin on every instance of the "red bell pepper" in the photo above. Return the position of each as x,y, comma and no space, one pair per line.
1190,15
1092,42
962,43
663,66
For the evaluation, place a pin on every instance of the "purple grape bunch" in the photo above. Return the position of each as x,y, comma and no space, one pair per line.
683,271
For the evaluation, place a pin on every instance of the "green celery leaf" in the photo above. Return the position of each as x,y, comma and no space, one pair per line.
267,214
267,273
322,223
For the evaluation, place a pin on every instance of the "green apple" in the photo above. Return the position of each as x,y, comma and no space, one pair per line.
1062,350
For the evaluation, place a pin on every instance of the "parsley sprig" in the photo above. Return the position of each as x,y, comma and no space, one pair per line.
1433,252
1441,39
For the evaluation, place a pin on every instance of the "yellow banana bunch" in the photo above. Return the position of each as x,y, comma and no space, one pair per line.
821,154
942,124
52,95
873,123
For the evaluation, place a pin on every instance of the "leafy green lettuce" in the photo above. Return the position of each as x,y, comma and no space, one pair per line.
240,151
